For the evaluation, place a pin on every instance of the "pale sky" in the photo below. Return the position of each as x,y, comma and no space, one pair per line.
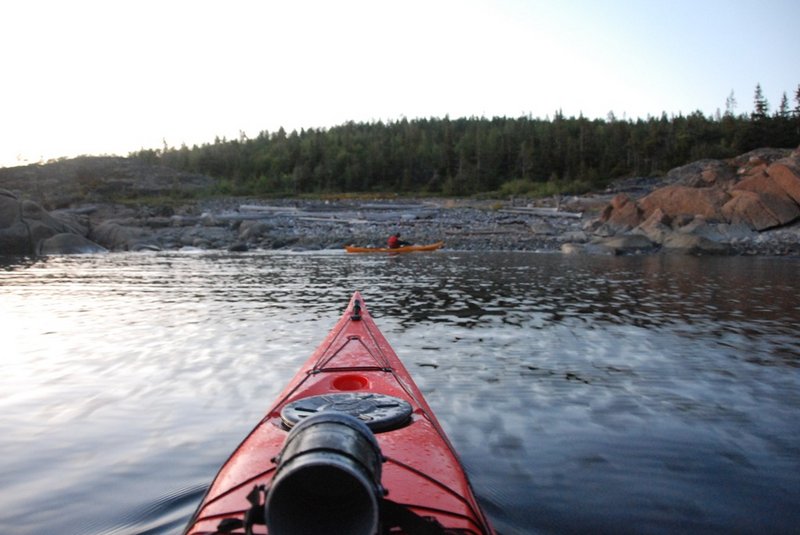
114,76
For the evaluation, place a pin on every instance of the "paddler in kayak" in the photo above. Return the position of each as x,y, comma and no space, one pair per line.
394,241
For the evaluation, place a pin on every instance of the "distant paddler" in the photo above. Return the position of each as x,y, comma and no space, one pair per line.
394,241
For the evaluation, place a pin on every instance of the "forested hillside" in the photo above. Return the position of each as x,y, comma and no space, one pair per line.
466,156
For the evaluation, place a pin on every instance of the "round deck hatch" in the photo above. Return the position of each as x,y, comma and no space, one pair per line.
380,412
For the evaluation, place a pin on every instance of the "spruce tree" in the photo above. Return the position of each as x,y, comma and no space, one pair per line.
783,109
730,105
797,113
760,105
797,102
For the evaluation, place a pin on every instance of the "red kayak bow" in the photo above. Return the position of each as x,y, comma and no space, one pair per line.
350,446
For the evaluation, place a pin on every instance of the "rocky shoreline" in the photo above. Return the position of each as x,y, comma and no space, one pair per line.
291,225
251,224
462,225
675,213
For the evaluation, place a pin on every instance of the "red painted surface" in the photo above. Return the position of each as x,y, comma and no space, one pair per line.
422,470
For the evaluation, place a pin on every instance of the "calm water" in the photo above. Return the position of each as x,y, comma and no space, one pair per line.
595,395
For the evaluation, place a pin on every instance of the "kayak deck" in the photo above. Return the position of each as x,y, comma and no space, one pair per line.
421,471
403,249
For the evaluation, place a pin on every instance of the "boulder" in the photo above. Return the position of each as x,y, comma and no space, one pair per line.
25,226
208,220
14,233
717,174
786,174
578,236
249,230
157,222
655,227
629,244
621,214
78,223
735,232
145,246
772,196
692,225
692,244
718,232
781,206
571,248
542,228
15,239
39,230
587,248
747,207
10,212
61,244
183,221
117,237
32,210
34,215
207,237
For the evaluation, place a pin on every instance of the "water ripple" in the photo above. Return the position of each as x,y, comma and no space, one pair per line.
646,394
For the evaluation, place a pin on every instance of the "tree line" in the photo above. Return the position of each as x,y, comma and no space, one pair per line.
467,156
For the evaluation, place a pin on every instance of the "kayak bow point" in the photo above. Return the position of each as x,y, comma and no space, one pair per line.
354,401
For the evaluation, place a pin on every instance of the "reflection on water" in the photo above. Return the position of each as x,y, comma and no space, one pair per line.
620,395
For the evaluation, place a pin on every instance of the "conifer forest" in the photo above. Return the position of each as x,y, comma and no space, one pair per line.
479,155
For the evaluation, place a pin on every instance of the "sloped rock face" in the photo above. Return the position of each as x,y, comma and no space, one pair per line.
760,189
97,179
713,207
786,174
764,201
675,201
703,173
750,208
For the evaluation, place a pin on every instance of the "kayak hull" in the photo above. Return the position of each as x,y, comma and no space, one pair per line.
404,249
421,471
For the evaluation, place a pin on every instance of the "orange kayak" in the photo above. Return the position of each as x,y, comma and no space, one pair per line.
349,447
404,249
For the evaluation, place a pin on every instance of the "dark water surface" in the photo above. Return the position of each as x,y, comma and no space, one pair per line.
585,395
